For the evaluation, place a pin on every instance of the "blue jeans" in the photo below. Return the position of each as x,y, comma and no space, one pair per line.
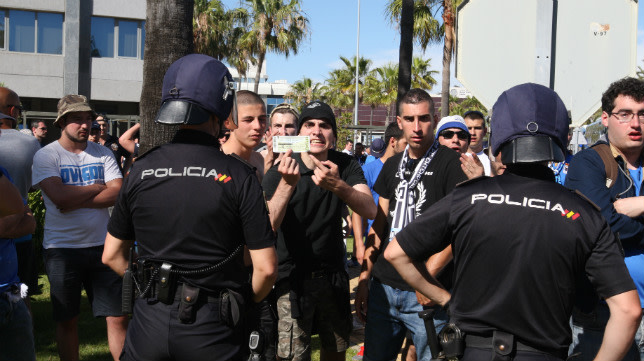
390,313
16,336
588,332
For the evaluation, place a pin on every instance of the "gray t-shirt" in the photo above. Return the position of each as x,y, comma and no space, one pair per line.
17,155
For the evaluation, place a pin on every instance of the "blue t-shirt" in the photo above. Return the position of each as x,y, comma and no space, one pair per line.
635,260
560,169
8,257
371,171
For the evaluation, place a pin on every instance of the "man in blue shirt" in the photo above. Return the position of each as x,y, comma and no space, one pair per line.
620,201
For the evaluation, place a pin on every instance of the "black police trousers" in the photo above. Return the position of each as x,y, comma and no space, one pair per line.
481,354
156,334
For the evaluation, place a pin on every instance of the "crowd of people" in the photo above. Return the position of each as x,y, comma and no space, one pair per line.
217,238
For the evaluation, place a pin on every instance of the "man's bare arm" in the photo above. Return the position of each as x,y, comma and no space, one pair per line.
68,196
290,171
10,200
127,139
264,271
625,314
17,225
106,198
358,197
372,250
116,253
415,274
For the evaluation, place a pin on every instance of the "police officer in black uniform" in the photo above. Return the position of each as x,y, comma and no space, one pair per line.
520,243
191,210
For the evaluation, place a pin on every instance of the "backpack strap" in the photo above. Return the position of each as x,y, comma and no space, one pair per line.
610,165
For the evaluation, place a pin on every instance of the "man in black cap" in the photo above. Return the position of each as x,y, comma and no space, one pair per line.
514,286
192,209
307,192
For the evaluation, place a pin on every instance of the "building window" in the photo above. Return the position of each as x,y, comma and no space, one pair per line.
22,31
1,29
32,31
129,35
50,33
102,39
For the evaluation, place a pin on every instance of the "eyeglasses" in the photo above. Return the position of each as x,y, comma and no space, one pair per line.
448,134
43,128
625,116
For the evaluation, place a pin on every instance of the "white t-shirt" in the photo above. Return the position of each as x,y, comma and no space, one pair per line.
485,161
84,227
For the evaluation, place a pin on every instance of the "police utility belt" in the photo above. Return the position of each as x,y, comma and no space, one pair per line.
451,342
159,280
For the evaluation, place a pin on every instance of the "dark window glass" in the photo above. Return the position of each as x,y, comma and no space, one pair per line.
22,32
50,33
1,29
142,38
128,38
102,37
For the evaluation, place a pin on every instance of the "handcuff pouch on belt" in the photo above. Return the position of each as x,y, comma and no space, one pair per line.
166,284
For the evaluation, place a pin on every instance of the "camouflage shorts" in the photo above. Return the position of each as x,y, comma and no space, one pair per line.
294,335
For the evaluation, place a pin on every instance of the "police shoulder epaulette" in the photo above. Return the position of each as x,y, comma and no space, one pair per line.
470,181
148,152
576,191
246,163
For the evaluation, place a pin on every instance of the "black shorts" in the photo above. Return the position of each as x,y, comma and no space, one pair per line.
71,269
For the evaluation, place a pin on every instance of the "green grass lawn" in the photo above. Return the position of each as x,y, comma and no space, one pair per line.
92,333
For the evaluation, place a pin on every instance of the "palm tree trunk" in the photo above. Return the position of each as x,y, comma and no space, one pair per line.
406,48
260,62
168,26
448,20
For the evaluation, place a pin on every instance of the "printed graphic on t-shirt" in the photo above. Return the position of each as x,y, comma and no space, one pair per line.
83,175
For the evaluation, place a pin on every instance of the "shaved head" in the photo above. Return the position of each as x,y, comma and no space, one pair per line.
10,103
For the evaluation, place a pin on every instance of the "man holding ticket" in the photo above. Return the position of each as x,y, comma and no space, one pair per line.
307,191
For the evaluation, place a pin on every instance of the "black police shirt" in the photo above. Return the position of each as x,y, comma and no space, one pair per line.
441,175
188,203
310,236
520,245
113,144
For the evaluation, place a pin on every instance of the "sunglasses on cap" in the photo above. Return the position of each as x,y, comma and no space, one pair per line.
448,134
291,109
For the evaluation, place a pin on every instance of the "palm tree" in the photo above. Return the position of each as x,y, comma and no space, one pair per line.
427,30
303,91
406,50
169,32
277,26
382,87
218,33
422,75
344,78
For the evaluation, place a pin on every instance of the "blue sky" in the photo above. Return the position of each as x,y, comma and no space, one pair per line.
333,25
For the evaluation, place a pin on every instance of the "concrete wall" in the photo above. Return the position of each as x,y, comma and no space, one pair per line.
128,9
117,79
40,5
32,75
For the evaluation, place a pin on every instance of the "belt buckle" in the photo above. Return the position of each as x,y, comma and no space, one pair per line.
317,274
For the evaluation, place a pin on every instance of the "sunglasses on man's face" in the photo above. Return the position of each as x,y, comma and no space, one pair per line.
449,134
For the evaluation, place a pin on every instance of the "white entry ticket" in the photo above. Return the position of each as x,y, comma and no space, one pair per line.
298,143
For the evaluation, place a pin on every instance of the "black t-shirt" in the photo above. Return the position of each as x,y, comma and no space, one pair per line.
112,142
520,247
310,237
188,203
441,175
